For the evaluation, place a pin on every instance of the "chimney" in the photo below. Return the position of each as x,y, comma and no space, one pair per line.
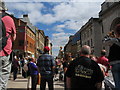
25,15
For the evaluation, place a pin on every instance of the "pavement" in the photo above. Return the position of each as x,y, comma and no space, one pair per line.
22,83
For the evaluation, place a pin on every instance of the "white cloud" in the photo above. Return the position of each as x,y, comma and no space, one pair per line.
62,12
72,15
60,26
59,39
24,6
59,0
76,11
75,25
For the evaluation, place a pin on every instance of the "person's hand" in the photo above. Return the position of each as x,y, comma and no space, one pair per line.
98,85
106,74
111,34
13,37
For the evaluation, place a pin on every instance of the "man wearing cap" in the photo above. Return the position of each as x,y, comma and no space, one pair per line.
46,65
5,63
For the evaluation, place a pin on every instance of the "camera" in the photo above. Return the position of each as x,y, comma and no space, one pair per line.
111,34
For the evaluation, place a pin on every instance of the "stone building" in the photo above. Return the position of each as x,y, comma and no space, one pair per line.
68,46
96,29
90,35
19,43
24,45
75,44
29,37
48,43
109,16
40,40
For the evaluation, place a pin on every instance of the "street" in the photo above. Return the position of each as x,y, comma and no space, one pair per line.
21,84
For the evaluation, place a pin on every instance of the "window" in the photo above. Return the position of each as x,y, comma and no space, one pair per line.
91,42
88,43
102,29
27,43
103,47
88,33
21,42
83,36
91,31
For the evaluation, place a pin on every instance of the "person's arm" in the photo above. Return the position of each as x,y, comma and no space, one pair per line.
13,30
98,85
68,82
69,74
109,41
14,37
65,69
53,64
65,66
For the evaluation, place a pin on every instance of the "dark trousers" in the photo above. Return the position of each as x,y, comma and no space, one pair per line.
49,80
15,71
34,79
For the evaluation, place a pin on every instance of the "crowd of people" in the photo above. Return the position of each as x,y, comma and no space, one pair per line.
86,71
50,68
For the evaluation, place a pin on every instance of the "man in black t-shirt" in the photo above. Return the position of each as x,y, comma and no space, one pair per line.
84,73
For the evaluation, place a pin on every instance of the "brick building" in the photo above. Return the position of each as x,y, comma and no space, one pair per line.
24,45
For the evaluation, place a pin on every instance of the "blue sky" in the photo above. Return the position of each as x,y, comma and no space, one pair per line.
58,18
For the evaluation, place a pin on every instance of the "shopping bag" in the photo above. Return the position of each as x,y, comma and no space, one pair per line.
39,79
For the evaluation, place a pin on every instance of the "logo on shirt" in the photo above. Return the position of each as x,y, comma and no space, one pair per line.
82,71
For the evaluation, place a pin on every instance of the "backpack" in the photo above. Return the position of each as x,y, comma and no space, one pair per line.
3,37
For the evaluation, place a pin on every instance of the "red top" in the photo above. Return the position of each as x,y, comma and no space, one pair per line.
10,29
103,60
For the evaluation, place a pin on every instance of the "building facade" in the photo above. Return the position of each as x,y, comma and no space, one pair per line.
19,43
109,17
40,40
68,46
91,35
29,37
93,32
24,45
48,43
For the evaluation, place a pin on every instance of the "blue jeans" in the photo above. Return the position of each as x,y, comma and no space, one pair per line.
116,75
5,68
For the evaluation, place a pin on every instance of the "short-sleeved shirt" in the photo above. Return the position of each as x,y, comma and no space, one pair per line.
103,60
10,29
45,63
84,73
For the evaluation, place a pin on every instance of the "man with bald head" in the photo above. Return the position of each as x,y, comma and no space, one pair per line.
84,73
